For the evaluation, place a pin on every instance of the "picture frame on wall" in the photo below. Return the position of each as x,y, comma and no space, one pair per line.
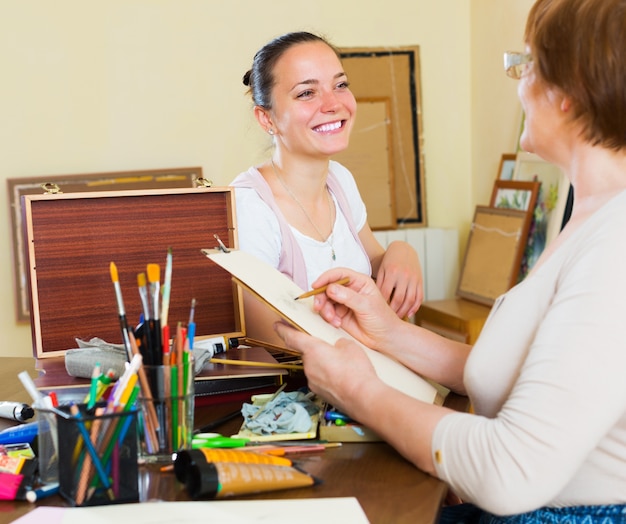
77,183
394,73
370,155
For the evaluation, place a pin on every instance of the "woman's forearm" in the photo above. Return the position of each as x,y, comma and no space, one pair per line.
428,354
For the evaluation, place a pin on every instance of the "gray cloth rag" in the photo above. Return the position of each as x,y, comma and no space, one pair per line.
287,413
80,361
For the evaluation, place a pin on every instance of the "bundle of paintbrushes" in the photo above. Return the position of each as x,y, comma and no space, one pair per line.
166,375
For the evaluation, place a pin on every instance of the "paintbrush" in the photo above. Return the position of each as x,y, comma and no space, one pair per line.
167,287
191,325
273,397
144,330
154,275
192,311
120,310
142,283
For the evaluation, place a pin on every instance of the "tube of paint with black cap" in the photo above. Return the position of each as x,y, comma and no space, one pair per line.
16,411
204,479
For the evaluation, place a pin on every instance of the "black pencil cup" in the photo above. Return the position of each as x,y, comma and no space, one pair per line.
98,457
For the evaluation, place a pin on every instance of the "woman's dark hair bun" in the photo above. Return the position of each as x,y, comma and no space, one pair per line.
246,78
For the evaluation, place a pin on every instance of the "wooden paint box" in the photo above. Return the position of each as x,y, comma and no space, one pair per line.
71,239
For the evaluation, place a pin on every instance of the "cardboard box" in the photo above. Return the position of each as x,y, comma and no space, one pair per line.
71,239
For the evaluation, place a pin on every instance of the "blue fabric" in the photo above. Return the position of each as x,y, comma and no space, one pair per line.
470,514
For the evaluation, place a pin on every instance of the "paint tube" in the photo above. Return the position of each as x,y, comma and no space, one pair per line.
185,458
205,479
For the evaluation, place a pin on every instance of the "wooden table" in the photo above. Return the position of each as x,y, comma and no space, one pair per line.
389,488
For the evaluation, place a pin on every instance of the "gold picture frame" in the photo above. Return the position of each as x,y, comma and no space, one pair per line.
492,257
394,73
119,180
371,156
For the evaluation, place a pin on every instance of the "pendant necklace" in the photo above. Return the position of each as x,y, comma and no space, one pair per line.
329,240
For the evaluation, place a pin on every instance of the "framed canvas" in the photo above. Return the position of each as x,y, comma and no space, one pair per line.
551,204
18,187
507,166
520,195
394,73
492,257
515,194
371,156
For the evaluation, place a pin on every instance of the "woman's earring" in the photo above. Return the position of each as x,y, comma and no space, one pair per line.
271,132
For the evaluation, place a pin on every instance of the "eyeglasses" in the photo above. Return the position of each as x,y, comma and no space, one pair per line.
516,64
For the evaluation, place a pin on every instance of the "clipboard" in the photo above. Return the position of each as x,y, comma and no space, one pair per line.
278,292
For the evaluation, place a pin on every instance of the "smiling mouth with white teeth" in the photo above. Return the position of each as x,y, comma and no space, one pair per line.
326,128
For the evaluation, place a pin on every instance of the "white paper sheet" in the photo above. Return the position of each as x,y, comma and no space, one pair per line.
340,510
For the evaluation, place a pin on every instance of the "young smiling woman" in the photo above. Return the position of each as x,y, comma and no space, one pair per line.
300,211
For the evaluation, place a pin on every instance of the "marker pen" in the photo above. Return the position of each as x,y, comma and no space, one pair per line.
20,433
42,492
16,411
336,417
216,345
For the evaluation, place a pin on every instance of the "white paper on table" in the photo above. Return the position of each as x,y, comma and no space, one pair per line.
338,510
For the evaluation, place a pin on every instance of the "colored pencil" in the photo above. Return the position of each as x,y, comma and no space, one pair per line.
92,451
93,391
151,421
120,430
85,471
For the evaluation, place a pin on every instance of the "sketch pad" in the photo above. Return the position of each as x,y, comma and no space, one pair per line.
278,291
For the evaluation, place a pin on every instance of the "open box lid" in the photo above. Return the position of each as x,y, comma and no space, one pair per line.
72,238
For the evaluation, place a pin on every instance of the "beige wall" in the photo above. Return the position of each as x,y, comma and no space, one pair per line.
141,84
495,112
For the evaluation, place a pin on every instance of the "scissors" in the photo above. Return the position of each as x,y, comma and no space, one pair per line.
216,440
